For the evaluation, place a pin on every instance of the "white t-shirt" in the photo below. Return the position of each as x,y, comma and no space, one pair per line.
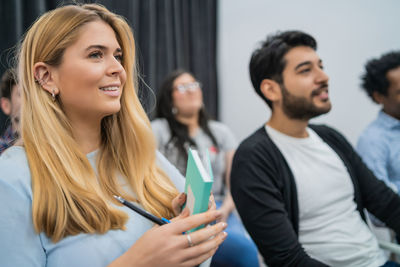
331,229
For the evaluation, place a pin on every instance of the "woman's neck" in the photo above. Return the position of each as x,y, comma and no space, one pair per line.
192,122
87,134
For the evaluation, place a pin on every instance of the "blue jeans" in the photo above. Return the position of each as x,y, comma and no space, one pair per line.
391,264
238,249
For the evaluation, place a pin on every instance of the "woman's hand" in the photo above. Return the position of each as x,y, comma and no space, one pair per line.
225,214
227,207
167,246
178,202
180,199
211,203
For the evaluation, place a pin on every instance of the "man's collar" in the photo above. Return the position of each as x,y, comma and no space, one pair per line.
388,120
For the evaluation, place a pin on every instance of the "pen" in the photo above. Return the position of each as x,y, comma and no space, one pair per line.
144,213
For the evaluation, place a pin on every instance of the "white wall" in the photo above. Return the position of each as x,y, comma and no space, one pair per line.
348,34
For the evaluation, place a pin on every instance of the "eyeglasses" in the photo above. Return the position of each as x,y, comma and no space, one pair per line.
192,87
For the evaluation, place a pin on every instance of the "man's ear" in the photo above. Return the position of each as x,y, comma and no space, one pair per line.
44,75
5,104
378,97
271,90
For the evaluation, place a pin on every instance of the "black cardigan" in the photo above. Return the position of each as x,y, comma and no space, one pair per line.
264,191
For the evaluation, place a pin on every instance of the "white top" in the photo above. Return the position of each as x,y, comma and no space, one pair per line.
331,229
20,245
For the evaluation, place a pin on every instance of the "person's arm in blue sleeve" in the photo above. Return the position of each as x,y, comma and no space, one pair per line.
375,155
20,245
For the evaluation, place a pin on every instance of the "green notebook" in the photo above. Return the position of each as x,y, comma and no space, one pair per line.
199,180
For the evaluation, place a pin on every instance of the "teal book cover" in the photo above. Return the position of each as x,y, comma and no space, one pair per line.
199,180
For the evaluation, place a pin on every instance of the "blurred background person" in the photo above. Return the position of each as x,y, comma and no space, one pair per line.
379,143
182,123
10,104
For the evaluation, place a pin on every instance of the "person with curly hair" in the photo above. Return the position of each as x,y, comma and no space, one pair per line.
379,143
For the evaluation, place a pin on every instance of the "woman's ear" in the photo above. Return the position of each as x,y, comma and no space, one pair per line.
271,90
44,75
5,104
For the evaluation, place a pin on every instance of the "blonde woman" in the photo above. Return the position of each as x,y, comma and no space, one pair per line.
85,138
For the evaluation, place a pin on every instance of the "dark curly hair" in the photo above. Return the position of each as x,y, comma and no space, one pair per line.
374,78
267,62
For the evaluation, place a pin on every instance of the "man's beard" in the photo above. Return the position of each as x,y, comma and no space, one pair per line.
302,108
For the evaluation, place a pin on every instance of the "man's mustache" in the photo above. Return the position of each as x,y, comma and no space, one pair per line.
322,87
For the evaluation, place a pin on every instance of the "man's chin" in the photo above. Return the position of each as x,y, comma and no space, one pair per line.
322,111
326,109
310,114
323,108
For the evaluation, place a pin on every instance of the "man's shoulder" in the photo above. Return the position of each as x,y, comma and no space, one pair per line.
257,138
323,129
257,146
260,161
373,136
373,131
328,133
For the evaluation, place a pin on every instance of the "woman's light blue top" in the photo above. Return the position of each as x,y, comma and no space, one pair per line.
21,246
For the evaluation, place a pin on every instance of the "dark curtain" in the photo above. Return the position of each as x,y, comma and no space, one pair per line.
169,34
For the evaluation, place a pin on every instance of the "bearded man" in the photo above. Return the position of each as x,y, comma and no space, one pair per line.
301,189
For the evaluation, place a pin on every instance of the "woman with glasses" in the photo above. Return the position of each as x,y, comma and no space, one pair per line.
182,123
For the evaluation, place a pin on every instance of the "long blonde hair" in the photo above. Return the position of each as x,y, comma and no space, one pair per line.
68,197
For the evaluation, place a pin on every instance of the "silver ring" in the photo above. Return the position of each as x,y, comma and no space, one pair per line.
189,239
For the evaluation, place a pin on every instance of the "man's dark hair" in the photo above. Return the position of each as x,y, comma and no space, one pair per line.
267,62
7,82
374,78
